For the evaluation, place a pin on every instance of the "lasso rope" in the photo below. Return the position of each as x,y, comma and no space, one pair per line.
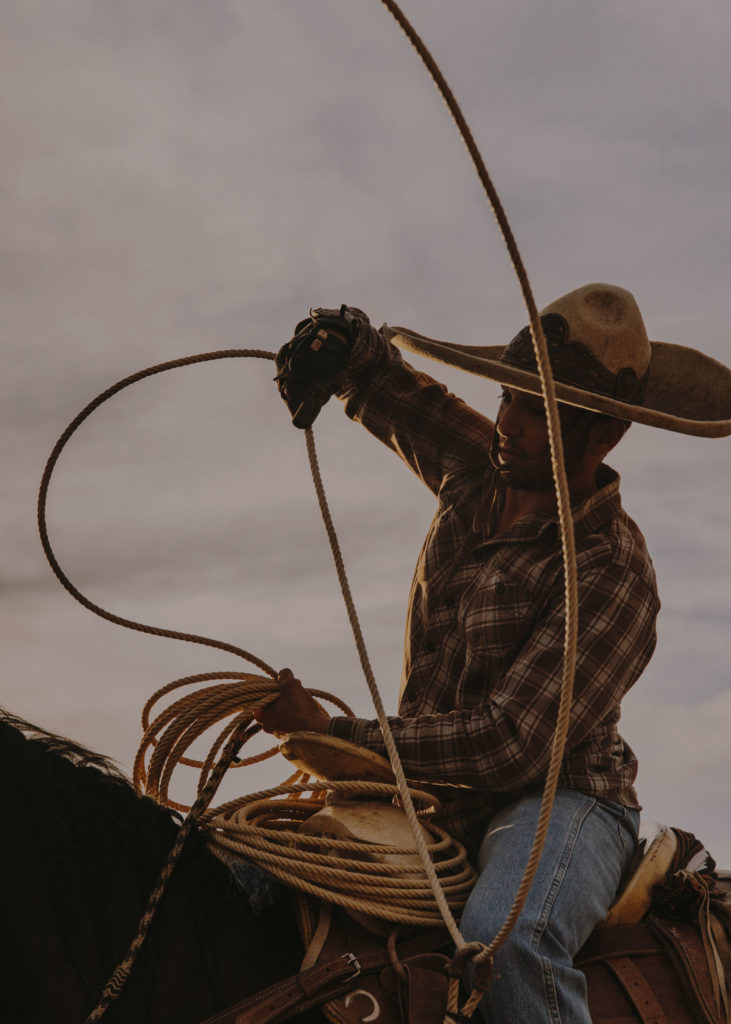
63,440
236,738
480,955
486,954
175,730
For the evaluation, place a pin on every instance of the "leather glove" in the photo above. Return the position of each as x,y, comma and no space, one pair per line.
312,365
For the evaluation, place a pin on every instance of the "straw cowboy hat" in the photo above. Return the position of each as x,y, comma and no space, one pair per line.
602,360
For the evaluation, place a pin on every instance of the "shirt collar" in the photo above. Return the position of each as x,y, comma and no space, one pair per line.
588,515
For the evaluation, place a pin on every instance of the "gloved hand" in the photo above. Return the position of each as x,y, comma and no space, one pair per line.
311,367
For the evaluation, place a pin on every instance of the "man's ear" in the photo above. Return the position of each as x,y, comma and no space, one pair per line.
605,434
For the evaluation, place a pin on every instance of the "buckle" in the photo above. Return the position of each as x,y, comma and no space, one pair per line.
352,961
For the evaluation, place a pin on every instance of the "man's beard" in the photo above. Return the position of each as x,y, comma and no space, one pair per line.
536,474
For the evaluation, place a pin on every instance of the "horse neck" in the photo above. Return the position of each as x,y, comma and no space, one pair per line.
86,853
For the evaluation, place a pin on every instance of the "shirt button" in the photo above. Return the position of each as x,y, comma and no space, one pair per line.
429,648
500,588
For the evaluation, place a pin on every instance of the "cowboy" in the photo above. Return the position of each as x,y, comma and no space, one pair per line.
485,628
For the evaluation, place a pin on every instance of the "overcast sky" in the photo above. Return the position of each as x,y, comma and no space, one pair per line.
180,177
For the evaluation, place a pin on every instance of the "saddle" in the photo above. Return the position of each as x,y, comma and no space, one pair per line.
662,955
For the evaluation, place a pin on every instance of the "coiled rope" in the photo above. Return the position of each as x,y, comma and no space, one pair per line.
262,828
383,881
172,732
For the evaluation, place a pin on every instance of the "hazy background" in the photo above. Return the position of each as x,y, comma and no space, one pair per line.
179,177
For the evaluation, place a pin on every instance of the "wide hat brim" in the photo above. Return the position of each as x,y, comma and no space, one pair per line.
686,391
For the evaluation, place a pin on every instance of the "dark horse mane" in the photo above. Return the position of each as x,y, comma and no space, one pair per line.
81,853
53,743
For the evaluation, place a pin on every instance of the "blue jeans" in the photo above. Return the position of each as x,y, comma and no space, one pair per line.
588,848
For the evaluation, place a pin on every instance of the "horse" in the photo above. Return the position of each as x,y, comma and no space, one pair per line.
81,853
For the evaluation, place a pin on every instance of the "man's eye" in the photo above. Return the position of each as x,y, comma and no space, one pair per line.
505,396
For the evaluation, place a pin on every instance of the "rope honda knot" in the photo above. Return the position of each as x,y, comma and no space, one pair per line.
471,952
479,955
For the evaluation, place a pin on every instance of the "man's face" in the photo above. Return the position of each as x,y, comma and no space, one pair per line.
521,445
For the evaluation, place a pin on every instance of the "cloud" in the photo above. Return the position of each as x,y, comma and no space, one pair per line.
181,178
684,743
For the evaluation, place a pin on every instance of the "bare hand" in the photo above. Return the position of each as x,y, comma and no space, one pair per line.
293,711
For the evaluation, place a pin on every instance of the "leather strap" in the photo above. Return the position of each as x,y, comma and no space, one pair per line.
723,946
608,941
638,989
424,990
687,952
317,985
294,994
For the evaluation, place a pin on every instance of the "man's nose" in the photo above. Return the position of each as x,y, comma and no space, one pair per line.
508,424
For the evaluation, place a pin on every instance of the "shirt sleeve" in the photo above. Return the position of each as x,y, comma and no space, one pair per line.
434,432
503,744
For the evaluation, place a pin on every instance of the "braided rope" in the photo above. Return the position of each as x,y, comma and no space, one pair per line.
122,972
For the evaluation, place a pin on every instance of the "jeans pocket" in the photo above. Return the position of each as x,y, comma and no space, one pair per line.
627,823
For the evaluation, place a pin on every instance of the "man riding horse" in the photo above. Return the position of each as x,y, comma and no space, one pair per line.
485,628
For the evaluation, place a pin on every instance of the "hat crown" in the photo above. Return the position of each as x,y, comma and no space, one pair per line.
596,341
607,320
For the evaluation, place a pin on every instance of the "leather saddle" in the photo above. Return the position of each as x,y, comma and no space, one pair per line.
660,957
662,954
647,963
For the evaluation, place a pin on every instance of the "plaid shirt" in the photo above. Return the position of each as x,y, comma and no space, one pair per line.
485,629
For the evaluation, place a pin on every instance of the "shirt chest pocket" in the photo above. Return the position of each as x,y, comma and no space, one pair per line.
497,616
443,542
